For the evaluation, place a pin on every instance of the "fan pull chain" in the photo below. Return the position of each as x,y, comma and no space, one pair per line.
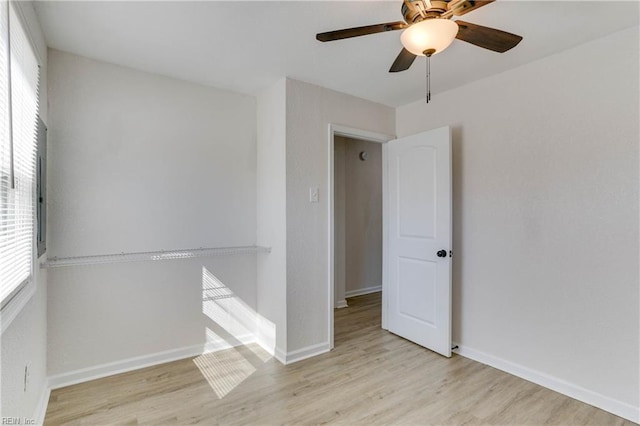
428,95
428,54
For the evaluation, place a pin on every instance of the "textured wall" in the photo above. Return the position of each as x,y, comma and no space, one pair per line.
141,162
310,110
272,218
144,162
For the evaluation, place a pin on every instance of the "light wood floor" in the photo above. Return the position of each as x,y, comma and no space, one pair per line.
371,377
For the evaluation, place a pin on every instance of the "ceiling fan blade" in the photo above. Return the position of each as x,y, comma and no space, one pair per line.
468,6
360,31
403,61
488,38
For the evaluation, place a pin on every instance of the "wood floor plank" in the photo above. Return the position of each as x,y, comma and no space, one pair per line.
372,377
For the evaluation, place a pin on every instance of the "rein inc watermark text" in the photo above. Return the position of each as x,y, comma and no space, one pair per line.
17,421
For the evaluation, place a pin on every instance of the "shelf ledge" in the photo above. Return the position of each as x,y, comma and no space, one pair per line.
60,262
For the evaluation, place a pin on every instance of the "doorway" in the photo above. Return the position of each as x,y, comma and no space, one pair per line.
356,206
357,218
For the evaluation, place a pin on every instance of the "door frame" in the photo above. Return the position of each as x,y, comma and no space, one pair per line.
350,132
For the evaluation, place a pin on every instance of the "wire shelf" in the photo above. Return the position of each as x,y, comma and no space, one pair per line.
60,262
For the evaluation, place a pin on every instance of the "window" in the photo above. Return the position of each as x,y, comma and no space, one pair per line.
18,112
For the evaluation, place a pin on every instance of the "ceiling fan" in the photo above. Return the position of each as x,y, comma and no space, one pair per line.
428,30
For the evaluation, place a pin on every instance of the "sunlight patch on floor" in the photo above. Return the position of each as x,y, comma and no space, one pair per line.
224,370
260,353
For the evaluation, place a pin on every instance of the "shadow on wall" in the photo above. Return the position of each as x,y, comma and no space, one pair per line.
232,324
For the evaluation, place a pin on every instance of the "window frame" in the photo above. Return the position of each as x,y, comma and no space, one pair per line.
17,299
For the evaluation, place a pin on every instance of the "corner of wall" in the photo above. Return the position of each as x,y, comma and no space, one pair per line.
271,218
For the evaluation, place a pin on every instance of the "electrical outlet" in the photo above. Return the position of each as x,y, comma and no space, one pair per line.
27,373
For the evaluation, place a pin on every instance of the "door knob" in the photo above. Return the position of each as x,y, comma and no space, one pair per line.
441,253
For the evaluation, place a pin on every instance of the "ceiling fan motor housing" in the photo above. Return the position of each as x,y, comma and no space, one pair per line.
418,10
415,11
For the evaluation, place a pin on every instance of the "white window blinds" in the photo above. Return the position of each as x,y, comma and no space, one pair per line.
18,113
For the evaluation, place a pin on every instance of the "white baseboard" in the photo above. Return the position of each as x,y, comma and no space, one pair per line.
281,356
122,366
271,349
341,304
308,352
297,355
43,402
572,390
266,335
362,291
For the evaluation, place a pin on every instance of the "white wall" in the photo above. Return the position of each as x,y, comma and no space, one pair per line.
546,216
25,339
310,109
358,217
272,219
141,162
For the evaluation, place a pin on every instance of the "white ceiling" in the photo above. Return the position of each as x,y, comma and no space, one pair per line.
246,46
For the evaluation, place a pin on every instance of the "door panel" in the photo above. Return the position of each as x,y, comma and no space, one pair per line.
418,194
418,277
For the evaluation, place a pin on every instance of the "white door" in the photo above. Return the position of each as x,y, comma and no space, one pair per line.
418,200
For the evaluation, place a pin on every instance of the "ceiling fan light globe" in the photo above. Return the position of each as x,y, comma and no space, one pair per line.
430,34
